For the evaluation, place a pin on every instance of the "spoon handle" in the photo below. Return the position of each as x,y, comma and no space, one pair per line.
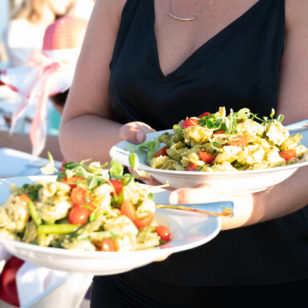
224,208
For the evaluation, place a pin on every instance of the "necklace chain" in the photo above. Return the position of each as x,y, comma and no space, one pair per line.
170,14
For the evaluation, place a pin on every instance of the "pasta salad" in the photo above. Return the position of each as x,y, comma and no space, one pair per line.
227,142
84,209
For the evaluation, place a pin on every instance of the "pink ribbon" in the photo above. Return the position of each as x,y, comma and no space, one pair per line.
37,94
40,94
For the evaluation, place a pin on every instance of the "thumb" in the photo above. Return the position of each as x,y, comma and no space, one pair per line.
135,132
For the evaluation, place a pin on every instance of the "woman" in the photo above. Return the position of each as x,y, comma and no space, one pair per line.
147,64
26,29
49,74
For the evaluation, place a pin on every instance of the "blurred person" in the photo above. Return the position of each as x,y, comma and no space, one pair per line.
25,31
4,9
45,79
82,8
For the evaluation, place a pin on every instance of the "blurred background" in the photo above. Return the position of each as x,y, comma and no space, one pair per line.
6,6
25,52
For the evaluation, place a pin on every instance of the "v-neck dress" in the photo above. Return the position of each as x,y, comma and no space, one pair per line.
238,67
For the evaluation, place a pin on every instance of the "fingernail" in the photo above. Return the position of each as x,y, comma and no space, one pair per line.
139,137
173,198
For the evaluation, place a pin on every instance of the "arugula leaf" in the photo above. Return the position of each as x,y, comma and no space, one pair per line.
116,169
95,181
50,167
32,190
149,147
280,118
133,160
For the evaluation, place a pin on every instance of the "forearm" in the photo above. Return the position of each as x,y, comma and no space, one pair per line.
282,199
88,136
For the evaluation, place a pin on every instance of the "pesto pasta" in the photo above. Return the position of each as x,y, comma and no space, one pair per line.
228,142
84,209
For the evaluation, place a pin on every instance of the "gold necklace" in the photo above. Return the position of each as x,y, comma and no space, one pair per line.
170,14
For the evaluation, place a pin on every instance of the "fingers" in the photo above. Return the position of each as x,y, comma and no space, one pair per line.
149,180
199,194
163,258
135,132
243,204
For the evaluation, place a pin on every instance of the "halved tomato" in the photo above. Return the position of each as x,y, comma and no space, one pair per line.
144,221
81,196
219,132
191,167
189,122
117,185
288,154
108,245
79,215
25,198
238,140
161,152
206,156
128,209
73,181
204,114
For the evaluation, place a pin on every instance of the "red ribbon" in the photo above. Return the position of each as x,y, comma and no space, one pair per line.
8,287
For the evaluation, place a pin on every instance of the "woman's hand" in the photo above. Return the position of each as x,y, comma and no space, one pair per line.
135,131
243,204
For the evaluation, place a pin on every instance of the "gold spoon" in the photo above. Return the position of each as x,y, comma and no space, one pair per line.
224,208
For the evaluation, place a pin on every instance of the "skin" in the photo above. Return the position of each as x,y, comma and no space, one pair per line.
87,119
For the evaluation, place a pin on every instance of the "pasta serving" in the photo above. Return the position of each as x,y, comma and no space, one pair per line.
221,142
84,209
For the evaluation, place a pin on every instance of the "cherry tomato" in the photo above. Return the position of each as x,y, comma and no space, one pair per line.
128,209
191,167
163,232
189,122
219,132
288,154
206,156
117,185
204,114
72,181
161,152
25,198
108,245
79,215
238,140
62,167
81,196
144,221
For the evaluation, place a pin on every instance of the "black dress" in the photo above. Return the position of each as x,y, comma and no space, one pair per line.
264,264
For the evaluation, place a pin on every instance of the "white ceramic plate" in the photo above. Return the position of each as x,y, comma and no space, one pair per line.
230,182
188,230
